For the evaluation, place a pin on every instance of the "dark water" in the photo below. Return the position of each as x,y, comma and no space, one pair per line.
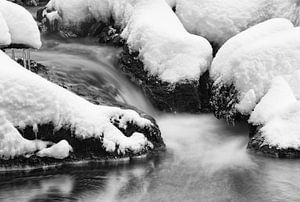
206,159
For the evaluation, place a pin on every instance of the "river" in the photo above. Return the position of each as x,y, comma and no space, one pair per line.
206,160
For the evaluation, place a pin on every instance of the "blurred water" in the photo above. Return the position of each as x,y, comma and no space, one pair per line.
206,159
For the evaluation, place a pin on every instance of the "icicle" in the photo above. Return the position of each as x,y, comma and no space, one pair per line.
24,58
28,58
13,55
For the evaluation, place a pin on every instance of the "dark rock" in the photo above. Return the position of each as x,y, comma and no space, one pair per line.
188,96
223,99
83,149
257,145
30,2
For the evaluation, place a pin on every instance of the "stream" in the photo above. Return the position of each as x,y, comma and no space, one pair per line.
206,160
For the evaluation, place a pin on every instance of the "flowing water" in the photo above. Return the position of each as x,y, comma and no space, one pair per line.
206,160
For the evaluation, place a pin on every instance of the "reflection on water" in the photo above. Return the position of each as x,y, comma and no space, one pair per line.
206,161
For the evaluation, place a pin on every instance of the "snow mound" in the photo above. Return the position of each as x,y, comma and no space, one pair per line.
252,66
150,27
4,33
29,100
22,27
279,114
59,150
219,20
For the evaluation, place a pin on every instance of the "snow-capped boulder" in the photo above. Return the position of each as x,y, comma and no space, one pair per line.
22,27
242,72
219,20
275,120
36,109
159,54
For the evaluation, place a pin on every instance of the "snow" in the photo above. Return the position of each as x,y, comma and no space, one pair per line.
253,65
13,144
219,20
251,35
72,11
278,97
150,27
279,114
22,27
165,47
29,100
4,33
59,150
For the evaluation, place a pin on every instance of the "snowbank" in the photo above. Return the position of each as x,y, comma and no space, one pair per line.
22,27
219,20
4,33
29,100
151,28
264,52
278,113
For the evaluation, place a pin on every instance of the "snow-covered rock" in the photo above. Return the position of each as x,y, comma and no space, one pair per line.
276,118
22,27
165,47
59,150
31,104
5,38
251,35
219,20
249,61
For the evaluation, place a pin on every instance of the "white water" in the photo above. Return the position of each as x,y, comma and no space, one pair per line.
206,159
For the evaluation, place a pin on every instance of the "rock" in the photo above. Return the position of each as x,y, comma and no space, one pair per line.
189,96
258,145
89,149
223,99
30,2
